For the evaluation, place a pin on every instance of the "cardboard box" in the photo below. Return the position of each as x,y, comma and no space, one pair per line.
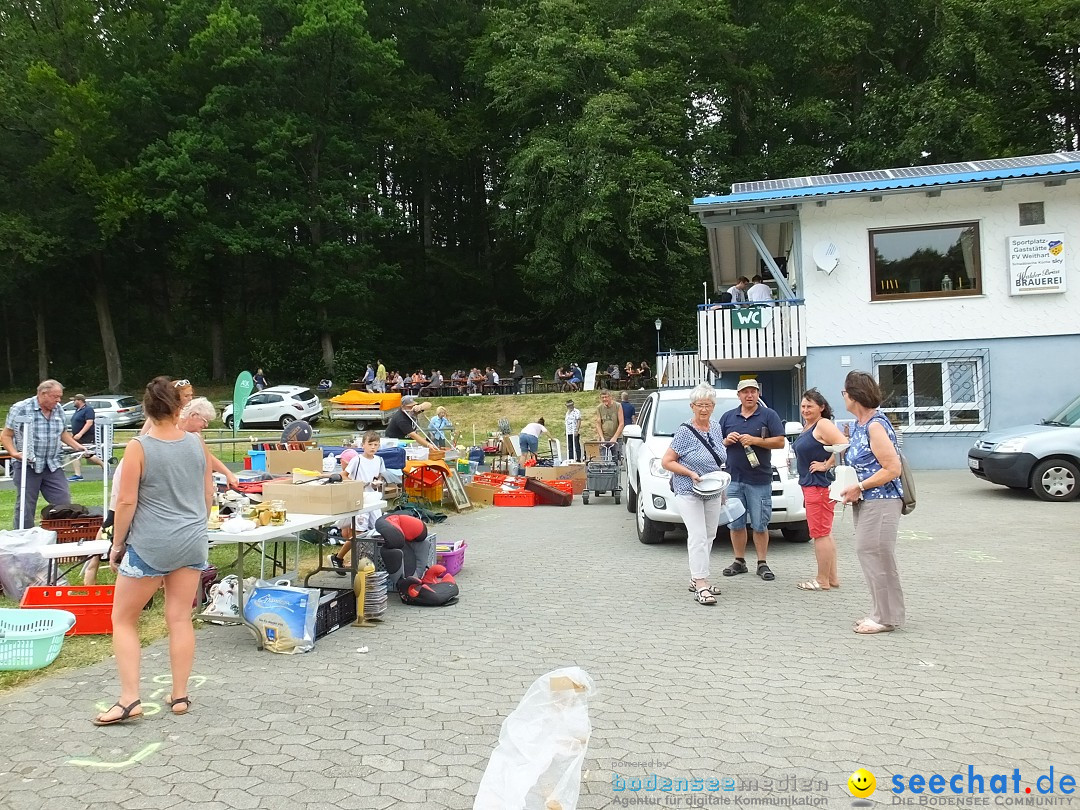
574,473
481,494
317,499
283,461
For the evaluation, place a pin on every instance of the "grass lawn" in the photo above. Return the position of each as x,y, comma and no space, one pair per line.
480,414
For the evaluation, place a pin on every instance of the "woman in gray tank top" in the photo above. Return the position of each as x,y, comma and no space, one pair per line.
159,536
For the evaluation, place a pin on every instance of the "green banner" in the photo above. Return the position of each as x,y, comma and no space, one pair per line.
244,386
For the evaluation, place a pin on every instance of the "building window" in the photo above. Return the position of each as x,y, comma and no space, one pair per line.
935,394
925,262
1032,214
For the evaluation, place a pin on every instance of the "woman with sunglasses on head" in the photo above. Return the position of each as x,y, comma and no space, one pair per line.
814,462
696,450
877,499
159,537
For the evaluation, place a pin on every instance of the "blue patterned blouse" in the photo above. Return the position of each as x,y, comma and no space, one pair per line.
862,458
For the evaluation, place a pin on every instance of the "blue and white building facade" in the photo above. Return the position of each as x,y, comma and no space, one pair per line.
956,286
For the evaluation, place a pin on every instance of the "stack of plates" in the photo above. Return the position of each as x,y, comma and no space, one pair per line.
374,596
712,485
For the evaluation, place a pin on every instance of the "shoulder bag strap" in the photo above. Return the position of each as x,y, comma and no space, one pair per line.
704,443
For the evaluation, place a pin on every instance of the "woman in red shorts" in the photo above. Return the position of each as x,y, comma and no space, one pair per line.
814,462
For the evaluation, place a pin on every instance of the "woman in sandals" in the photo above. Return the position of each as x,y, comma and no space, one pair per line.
814,462
877,499
159,536
697,449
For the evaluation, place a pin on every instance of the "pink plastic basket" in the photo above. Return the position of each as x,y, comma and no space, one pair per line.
453,561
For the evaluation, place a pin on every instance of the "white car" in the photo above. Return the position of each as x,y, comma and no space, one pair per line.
649,494
121,410
278,405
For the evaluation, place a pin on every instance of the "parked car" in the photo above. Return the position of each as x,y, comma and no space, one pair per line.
1044,457
121,410
648,493
277,405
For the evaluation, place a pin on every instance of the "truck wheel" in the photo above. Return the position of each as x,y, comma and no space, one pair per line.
648,532
1056,480
799,533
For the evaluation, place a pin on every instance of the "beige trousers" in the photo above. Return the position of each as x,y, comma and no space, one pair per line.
876,524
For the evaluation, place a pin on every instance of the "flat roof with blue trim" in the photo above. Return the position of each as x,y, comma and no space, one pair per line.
946,174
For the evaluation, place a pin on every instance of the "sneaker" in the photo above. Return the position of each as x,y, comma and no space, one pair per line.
338,563
75,478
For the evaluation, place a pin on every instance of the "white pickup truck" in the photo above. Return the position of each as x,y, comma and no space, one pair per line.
650,497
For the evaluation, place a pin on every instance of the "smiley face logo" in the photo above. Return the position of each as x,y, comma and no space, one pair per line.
861,783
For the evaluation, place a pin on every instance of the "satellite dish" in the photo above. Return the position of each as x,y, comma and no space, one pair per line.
826,256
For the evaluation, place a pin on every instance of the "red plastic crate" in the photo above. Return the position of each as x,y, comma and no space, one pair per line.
489,478
91,605
521,498
561,485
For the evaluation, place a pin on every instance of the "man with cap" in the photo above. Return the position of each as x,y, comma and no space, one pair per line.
573,431
751,432
403,425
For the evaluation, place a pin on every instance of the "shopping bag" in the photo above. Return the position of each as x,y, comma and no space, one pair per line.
284,615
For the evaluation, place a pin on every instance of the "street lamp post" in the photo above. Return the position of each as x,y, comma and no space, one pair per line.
657,324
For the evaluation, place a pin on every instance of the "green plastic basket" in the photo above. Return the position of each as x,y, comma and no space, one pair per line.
30,638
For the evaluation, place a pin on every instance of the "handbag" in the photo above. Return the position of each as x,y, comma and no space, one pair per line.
907,481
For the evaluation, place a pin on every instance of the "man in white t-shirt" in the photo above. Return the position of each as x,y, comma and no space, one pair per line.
737,291
371,469
573,431
759,291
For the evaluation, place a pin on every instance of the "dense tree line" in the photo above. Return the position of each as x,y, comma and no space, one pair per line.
198,185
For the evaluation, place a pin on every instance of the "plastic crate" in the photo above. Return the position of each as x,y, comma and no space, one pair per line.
453,560
337,608
91,605
562,485
522,498
73,530
489,478
31,639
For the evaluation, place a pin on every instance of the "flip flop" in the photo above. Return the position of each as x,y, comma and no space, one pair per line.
173,704
126,717
868,627
810,585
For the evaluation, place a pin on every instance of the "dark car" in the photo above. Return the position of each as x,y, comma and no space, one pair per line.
1044,458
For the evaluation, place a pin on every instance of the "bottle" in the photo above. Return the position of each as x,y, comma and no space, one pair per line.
751,454
946,282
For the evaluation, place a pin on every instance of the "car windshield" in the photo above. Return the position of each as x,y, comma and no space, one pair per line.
1069,416
670,413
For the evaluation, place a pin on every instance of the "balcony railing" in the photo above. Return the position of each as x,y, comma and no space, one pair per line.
752,336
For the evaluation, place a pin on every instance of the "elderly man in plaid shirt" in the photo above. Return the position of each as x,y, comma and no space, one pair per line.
44,475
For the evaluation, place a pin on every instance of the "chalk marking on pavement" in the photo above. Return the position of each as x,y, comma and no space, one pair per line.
926,663
152,706
911,534
977,555
139,756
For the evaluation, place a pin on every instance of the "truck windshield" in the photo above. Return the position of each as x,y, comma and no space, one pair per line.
1069,416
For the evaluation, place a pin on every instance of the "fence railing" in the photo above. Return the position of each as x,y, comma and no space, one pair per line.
752,332
681,370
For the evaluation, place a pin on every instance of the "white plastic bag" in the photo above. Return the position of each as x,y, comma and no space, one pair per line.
542,746
20,563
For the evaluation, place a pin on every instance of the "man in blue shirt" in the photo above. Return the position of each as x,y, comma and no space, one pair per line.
41,456
751,433
82,430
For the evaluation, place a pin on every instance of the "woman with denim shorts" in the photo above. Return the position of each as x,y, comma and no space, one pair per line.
814,463
159,537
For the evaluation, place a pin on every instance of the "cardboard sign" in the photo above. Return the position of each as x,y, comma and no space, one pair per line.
284,461
317,499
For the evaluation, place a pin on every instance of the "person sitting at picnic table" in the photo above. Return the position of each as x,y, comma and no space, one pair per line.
575,377
645,372
628,369
435,384
459,380
613,376
396,383
476,380
418,381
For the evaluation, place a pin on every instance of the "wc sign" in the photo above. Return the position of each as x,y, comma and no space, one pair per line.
751,317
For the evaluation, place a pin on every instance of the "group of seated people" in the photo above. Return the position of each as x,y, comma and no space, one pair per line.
627,377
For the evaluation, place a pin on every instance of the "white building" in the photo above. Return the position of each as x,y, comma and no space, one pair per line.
955,285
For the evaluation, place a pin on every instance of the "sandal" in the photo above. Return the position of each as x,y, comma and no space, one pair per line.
705,597
126,717
868,627
765,572
810,585
172,704
737,567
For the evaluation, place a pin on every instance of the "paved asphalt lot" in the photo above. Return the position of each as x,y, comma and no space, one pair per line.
770,684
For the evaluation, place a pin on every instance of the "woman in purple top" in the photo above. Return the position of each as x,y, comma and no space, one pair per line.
877,499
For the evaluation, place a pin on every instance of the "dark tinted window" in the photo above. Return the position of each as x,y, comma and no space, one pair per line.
127,402
304,395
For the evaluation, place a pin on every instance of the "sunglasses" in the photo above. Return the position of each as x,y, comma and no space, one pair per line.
181,383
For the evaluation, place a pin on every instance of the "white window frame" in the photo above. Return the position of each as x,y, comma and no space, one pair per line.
904,418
